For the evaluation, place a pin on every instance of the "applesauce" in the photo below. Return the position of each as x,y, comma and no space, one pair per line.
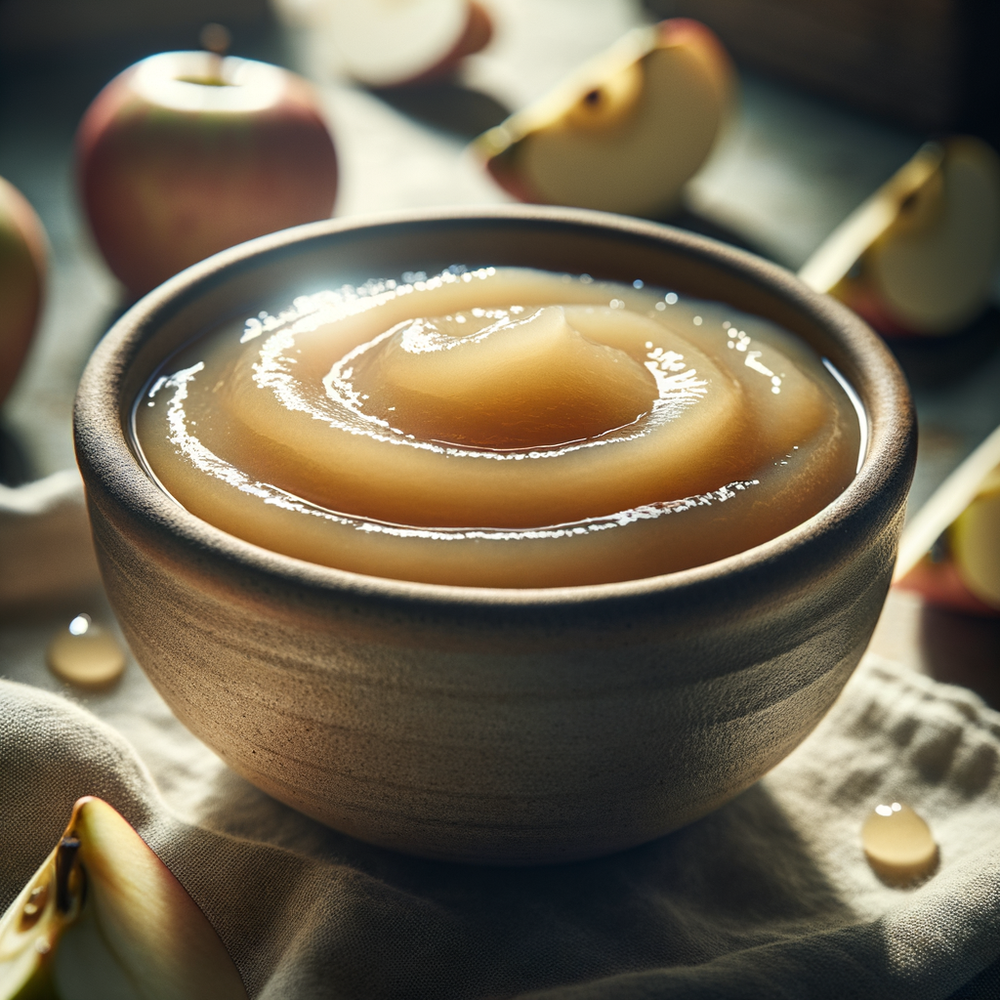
501,427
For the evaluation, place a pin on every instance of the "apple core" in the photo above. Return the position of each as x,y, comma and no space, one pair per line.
501,427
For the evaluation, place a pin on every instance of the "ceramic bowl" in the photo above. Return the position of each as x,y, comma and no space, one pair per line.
495,726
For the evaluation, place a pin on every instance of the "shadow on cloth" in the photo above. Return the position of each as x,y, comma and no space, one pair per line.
447,106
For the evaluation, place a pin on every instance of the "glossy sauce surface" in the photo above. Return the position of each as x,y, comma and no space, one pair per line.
500,427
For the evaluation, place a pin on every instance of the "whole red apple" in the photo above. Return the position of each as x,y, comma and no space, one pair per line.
187,153
23,253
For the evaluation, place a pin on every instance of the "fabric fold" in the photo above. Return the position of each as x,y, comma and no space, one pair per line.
770,896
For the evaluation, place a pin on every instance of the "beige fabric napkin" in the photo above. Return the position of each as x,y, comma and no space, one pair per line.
45,547
768,897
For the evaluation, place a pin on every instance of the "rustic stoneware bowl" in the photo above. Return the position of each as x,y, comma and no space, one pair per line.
497,726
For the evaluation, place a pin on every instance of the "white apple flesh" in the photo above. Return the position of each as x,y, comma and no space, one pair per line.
919,256
624,133
394,43
187,153
103,916
391,43
975,542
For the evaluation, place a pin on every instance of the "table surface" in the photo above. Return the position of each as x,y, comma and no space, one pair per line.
787,171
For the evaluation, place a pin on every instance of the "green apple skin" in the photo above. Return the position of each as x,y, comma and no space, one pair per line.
173,165
622,135
23,261
104,916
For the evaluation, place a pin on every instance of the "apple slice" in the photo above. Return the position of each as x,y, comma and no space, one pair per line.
975,542
918,257
626,131
950,550
103,916
186,153
23,254
394,43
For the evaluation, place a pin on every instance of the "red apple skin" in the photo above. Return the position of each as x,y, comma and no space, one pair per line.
940,584
23,257
503,169
164,188
875,313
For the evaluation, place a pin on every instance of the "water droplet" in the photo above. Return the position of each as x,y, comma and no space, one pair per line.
697,321
670,298
86,654
898,844
638,283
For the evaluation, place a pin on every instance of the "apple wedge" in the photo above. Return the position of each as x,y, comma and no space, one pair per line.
975,542
103,917
919,256
625,132
395,43
950,550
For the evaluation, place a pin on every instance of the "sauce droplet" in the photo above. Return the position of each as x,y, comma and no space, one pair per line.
898,844
85,654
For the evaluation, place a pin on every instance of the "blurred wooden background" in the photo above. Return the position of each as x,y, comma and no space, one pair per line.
29,28
931,64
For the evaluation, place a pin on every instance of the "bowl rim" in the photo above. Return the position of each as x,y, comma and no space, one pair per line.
872,499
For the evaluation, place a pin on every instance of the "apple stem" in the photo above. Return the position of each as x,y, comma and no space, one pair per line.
215,38
65,860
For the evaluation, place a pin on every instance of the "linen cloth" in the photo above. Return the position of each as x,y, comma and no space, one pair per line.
769,897
45,547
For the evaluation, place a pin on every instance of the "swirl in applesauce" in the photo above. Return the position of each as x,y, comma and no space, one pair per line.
501,427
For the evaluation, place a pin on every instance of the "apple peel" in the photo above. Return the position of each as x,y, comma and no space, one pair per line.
477,34
104,916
